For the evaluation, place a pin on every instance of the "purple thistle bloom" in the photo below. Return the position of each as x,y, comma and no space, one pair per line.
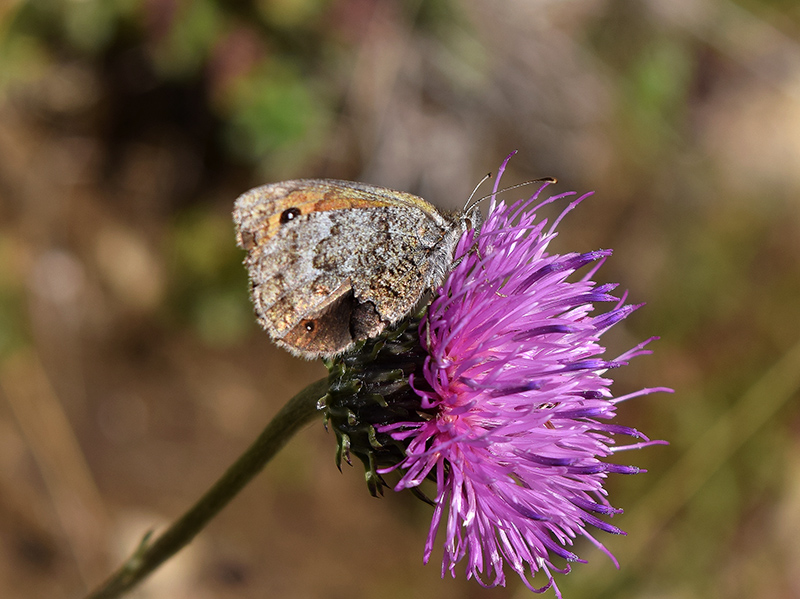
520,401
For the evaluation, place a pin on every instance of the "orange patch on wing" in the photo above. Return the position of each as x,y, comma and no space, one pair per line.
316,200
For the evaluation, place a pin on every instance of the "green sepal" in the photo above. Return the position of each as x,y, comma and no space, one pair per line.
368,389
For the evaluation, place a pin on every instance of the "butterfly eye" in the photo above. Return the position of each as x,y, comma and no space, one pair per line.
289,214
309,326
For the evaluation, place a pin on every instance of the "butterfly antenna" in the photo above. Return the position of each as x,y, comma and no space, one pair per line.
486,177
510,188
499,191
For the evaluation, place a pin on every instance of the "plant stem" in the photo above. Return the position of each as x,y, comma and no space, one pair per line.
150,555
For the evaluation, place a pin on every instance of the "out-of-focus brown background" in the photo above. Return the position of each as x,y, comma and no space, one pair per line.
132,372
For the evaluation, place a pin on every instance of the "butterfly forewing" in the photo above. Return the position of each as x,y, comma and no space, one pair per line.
333,262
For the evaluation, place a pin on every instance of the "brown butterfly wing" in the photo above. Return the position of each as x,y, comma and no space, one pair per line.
334,262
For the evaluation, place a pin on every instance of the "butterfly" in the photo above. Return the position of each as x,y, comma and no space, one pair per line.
334,262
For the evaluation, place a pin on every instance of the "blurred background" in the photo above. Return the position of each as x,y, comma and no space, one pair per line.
132,371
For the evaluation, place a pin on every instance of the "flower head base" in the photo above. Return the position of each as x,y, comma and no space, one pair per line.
368,388
520,405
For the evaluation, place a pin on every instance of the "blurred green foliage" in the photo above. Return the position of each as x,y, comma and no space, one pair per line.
253,60
209,283
13,333
275,110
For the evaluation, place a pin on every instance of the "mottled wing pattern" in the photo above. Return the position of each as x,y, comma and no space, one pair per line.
334,262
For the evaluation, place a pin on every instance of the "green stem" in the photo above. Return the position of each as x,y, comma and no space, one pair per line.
149,556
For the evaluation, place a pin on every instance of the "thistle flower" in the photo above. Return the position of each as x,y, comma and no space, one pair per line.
510,416
518,402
